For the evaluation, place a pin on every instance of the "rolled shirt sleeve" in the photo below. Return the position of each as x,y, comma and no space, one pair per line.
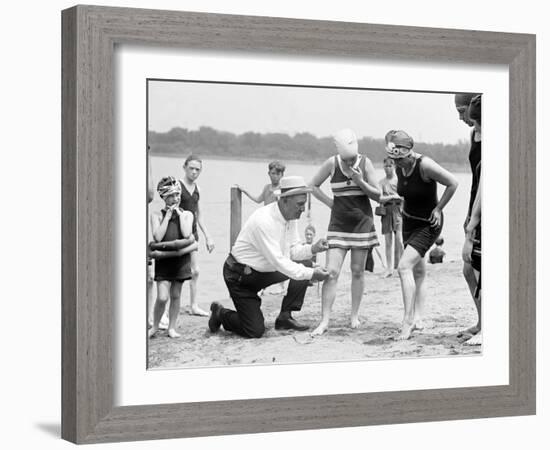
271,251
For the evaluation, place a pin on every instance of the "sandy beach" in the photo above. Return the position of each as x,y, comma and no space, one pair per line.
449,310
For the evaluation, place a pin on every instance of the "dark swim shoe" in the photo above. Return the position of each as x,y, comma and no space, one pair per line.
290,324
215,320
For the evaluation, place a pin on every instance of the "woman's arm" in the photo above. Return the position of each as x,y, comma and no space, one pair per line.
367,181
475,216
159,225
319,178
433,171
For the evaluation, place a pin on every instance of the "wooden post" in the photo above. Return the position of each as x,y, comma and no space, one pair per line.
236,215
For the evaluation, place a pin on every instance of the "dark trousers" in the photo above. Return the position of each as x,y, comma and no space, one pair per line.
243,284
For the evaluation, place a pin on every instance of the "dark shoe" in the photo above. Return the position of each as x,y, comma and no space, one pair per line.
289,324
215,321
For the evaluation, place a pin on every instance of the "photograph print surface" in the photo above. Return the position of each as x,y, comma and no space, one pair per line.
303,224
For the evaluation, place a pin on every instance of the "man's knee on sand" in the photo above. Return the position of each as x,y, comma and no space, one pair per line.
255,331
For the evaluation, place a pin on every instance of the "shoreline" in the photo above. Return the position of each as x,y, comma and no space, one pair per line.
459,168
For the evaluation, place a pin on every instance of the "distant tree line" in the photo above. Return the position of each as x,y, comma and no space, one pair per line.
208,141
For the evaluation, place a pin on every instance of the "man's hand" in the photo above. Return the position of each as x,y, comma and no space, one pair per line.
320,246
319,274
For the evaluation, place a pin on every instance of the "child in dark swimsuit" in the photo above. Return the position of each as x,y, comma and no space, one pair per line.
170,224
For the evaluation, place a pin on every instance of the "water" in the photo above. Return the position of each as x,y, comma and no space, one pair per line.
216,180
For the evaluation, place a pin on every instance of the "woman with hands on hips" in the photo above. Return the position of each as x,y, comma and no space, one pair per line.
418,177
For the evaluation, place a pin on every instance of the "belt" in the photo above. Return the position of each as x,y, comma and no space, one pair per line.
410,216
241,269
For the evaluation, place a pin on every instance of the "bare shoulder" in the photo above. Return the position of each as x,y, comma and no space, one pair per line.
367,162
428,164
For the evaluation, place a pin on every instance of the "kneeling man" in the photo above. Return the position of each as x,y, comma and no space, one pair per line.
264,254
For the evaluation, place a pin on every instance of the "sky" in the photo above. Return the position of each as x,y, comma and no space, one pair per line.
238,108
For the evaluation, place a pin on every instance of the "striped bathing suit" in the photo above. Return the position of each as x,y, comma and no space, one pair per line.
351,220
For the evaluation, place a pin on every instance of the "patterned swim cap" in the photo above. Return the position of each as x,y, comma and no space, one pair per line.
398,144
168,186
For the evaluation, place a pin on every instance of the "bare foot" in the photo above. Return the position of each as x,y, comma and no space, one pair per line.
197,311
153,332
163,325
476,339
172,333
406,331
469,331
421,324
355,322
320,329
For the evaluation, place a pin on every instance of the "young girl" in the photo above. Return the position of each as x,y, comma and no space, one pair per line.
170,224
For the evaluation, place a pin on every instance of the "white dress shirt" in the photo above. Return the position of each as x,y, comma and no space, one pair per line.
269,243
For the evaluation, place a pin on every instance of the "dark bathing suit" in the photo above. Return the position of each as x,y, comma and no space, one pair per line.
475,164
177,268
190,202
420,200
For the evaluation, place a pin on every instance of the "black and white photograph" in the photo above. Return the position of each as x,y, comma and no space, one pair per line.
300,224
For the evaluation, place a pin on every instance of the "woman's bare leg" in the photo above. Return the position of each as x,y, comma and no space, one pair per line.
398,247
471,278
419,274
335,258
408,260
357,265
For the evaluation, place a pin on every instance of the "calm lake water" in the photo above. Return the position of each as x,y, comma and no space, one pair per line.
216,180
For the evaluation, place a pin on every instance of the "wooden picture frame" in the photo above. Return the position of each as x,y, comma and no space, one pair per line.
90,34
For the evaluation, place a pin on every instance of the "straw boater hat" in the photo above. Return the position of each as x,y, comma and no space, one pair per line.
293,185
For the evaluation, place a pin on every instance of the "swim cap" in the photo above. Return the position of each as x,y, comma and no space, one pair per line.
346,143
464,99
168,186
398,144
474,110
